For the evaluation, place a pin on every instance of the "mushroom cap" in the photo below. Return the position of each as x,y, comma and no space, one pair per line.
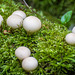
70,38
1,19
14,21
22,52
20,13
73,30
31,24
30,63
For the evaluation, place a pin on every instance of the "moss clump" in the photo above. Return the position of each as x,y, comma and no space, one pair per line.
48,46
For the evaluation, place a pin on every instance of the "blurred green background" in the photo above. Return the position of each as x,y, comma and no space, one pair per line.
55,8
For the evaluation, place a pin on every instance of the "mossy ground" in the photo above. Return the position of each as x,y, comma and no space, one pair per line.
48,46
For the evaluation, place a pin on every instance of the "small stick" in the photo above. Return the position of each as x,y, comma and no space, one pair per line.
28,6
26,3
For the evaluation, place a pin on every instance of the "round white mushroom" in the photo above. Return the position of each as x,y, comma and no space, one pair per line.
31,24
20,13
30,63
22,52
73,30
1,19
14,21
70,38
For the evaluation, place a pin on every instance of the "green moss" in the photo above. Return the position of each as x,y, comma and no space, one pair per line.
47,45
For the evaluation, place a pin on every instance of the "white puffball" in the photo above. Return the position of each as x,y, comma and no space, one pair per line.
70,38
20,13
31,24
22,52
14,21
73,30
30,63
1,19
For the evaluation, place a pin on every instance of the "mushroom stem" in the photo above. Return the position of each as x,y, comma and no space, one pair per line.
28,73
11,30
1,28
29,34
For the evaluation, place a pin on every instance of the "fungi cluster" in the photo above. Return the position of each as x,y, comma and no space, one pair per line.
18,18
28,63
30,24
70,38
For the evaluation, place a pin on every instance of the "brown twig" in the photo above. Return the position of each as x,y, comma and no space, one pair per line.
26,3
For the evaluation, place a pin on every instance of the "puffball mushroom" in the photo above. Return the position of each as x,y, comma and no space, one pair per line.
1,19
22,52
14,21
73,30
70,38
20,13
30,63
31,24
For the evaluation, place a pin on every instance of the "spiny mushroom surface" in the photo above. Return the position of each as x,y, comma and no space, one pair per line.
20,13
22,52
73,30
14,21
1,19
31,24
70,38
30,63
